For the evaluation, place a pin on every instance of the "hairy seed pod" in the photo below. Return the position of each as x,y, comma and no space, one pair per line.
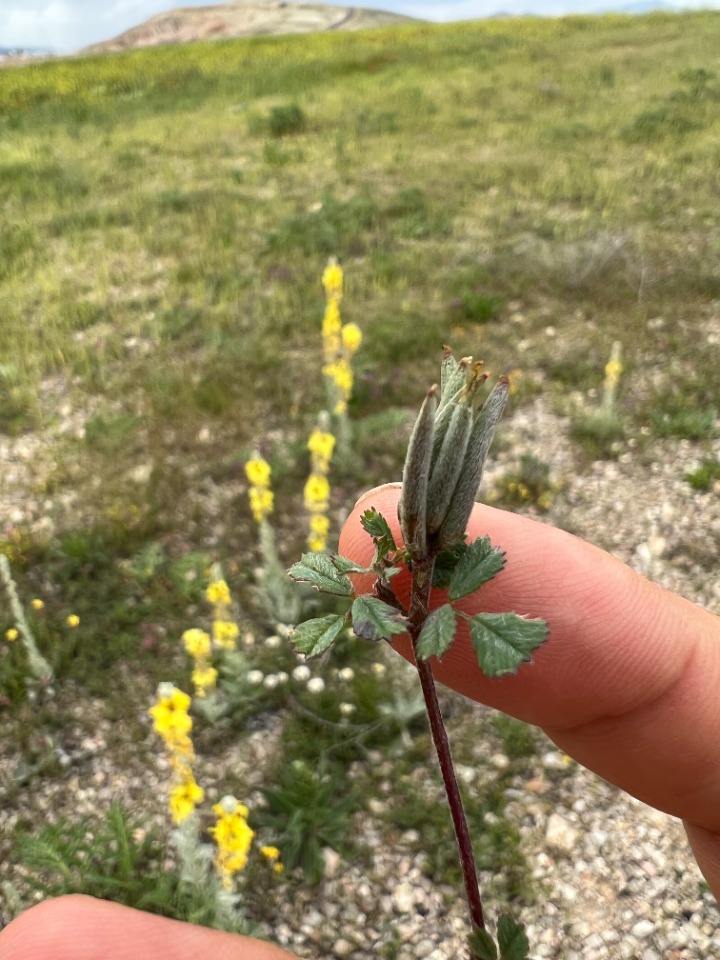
446,467
416,472
447,367
458,514
456,380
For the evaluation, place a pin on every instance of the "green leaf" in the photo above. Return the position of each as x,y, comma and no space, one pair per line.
319,570
437,633
512,939
314,636
503,640
374,523
482,945
445,564
480,562
345,565
374,619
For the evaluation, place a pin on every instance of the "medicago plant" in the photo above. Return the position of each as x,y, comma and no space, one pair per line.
443,468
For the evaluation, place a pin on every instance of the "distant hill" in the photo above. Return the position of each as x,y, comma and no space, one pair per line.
245,19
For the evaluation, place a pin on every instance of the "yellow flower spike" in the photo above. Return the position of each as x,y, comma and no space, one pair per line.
169,714
316,543
261,503
332,324
204,678
225,634
332,279
351,337
73,620
321,444
319,525
184,797
316,493
218,593
11,634
37,604
197,643
258,471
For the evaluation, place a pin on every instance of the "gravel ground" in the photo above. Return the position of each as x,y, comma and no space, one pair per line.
615,878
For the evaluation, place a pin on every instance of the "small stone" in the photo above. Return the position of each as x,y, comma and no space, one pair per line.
642,929
342,948
403,897
560,835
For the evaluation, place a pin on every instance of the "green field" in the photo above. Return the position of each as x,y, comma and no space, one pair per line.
167,215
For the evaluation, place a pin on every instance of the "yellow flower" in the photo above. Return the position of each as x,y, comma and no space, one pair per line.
197,643
204,678
37,604
72,620
278,867
225,633
261,503
11,634
184,797
613,369
258,471
218,592
332,324
316,543
320,524
170,713
270,853
233,837
316,493
321,444
340,373
332,279
351,337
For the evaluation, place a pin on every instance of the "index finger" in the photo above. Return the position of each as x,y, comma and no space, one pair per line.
627,682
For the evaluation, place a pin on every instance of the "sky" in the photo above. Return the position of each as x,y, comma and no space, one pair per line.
64,26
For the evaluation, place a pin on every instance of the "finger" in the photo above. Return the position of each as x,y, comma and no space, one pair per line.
82,928
627,682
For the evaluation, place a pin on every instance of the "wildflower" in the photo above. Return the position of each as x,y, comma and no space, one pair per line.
204,678
184,797
379,669
301,673
72,620
197,643
225,633
273,641
233,837
316,492
170,713
351,337
258,472
282,677
332,279
271,681
254,677
347,673
347,708
321,445
316,685
218,593
37,604
270,853
316,543
11,634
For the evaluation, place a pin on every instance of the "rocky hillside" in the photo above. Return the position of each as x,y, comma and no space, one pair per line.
244,19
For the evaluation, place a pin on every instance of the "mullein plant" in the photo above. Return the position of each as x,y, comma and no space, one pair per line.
613,370
39,670
340,343
443,468
316,494
279,602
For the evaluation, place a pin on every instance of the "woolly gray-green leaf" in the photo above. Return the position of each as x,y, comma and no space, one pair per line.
373,619
344,565
502,641
437,633
482,945
512,939
374,523
478,564
319,570
314,636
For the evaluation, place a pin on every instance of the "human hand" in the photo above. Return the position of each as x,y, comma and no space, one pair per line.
628,682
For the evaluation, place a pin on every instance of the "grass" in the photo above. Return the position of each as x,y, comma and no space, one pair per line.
167,216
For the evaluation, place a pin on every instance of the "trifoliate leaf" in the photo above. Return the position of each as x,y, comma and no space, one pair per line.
314,636
482,945
503,640
512,939
437,633
374,619
344,565
374,523
445,564
480,562
319,570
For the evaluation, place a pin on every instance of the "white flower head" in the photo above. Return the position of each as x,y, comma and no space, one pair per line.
271,681
379,669
347,708
316,685
301,673
272,641
347,673
282,677
255,677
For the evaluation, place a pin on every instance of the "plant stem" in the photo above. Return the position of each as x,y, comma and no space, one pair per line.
417,614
